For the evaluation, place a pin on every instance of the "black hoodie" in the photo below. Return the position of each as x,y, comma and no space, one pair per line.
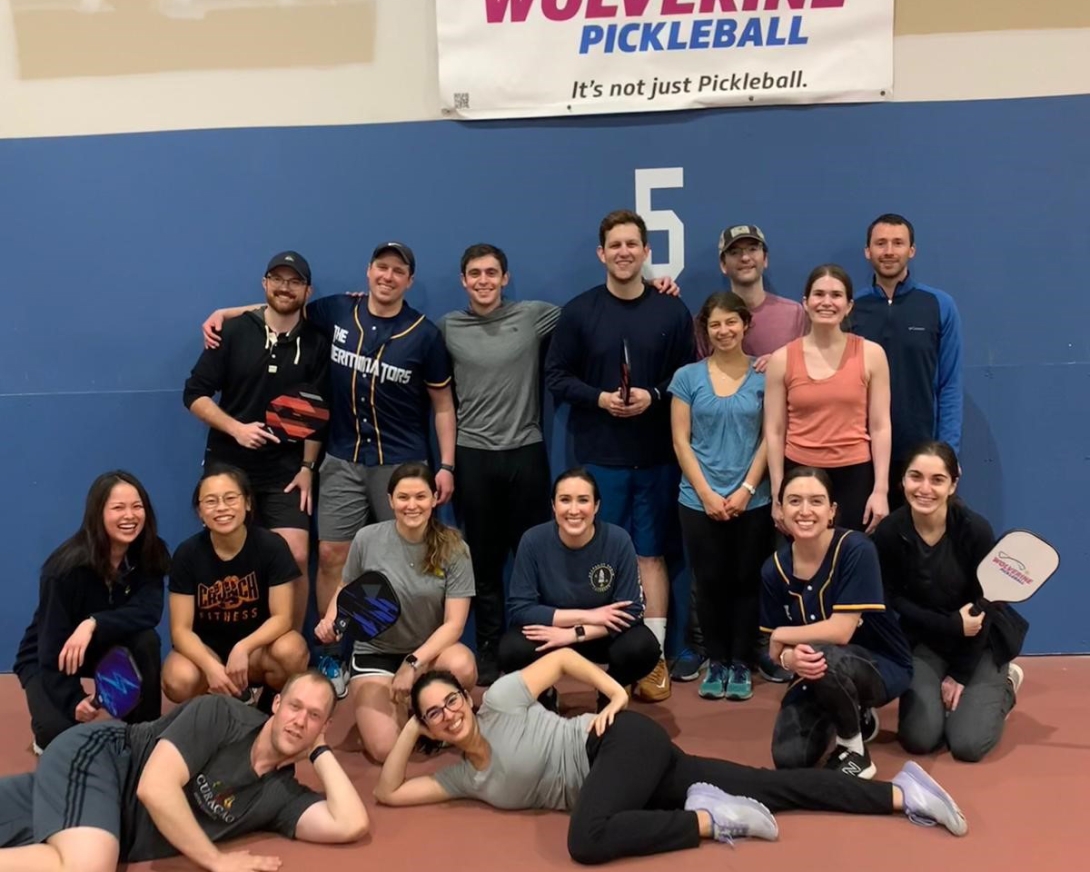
251,366
927,587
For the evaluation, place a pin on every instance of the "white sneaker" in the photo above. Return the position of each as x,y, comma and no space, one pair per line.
1015,676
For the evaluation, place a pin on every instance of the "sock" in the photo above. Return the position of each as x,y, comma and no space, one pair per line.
658,627
855,743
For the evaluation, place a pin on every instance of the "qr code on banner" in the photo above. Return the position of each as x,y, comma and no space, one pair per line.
461,100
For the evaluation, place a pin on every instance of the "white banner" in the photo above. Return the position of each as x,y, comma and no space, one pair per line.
524,58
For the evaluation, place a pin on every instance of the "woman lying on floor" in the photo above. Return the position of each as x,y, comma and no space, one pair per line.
629,789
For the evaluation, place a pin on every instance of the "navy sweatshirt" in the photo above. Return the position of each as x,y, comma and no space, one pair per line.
133,604
548,575
584,360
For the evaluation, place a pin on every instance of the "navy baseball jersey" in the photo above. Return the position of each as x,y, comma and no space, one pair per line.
380,371
848,580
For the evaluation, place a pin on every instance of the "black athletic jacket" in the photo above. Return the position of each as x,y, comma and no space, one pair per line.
134,603
928,608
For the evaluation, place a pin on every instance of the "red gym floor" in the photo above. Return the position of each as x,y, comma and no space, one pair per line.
1024,803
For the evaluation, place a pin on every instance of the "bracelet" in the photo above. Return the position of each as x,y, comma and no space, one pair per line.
447,467
318,752
752,490
783,663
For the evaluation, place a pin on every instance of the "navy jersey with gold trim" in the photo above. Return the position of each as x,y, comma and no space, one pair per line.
848,580
380,371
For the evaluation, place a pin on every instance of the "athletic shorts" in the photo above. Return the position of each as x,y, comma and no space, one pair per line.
374,665
275,509
640,500
78,783
350,496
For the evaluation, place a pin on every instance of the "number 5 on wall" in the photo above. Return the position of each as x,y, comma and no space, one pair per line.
662,219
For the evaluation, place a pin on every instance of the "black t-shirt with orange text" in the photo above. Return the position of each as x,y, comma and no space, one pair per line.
231,597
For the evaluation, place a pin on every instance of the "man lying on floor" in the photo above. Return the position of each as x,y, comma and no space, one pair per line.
213,769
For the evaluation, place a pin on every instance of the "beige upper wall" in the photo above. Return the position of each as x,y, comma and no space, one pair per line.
104,66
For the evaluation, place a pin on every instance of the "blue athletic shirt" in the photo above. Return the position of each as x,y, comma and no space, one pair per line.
380,372
725,432
920,330
848,580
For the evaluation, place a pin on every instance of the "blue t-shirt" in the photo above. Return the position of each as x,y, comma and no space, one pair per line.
848,580
380,372
548,575
725,432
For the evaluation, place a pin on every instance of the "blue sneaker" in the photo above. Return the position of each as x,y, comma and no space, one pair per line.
333,669
926,802
739,682
688,665
733,817
713,685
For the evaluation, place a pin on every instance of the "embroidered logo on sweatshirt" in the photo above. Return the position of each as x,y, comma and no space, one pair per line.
601,577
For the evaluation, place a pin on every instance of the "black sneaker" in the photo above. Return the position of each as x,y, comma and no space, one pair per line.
770,670
847,761
868,723
551,700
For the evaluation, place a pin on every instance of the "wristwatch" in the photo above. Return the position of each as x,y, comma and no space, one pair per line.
413,661
309,464
752,490
447,467
580,633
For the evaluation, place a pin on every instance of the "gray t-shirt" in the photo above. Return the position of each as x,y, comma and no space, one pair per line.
380,548
539,759
214,735
497,376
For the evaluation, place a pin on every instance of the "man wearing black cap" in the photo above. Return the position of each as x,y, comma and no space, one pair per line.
389,369
261,355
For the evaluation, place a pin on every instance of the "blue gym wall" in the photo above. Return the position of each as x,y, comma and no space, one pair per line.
113,249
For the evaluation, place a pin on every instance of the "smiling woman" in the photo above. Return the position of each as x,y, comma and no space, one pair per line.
102,587
429,568
231,600
576,582
828,405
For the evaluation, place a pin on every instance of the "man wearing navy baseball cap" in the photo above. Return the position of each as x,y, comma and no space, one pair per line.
268,351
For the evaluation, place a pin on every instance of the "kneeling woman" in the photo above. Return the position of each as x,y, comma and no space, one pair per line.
962,688
102,587
823,603
231,601
629,789
428,566
576,582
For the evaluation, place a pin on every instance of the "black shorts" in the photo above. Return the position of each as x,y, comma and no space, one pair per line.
78,783
374,665
274,509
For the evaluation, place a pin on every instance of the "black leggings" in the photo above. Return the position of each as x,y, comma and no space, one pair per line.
500,495
633,800
629,655
47,721
813,712
726,559
852,487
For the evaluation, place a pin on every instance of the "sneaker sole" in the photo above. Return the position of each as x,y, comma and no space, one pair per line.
931,786
710,694
737,696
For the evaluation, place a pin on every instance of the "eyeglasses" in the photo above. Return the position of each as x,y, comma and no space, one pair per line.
296,284
229,499
453,703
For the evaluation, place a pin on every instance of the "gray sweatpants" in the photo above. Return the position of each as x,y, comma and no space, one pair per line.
974,727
